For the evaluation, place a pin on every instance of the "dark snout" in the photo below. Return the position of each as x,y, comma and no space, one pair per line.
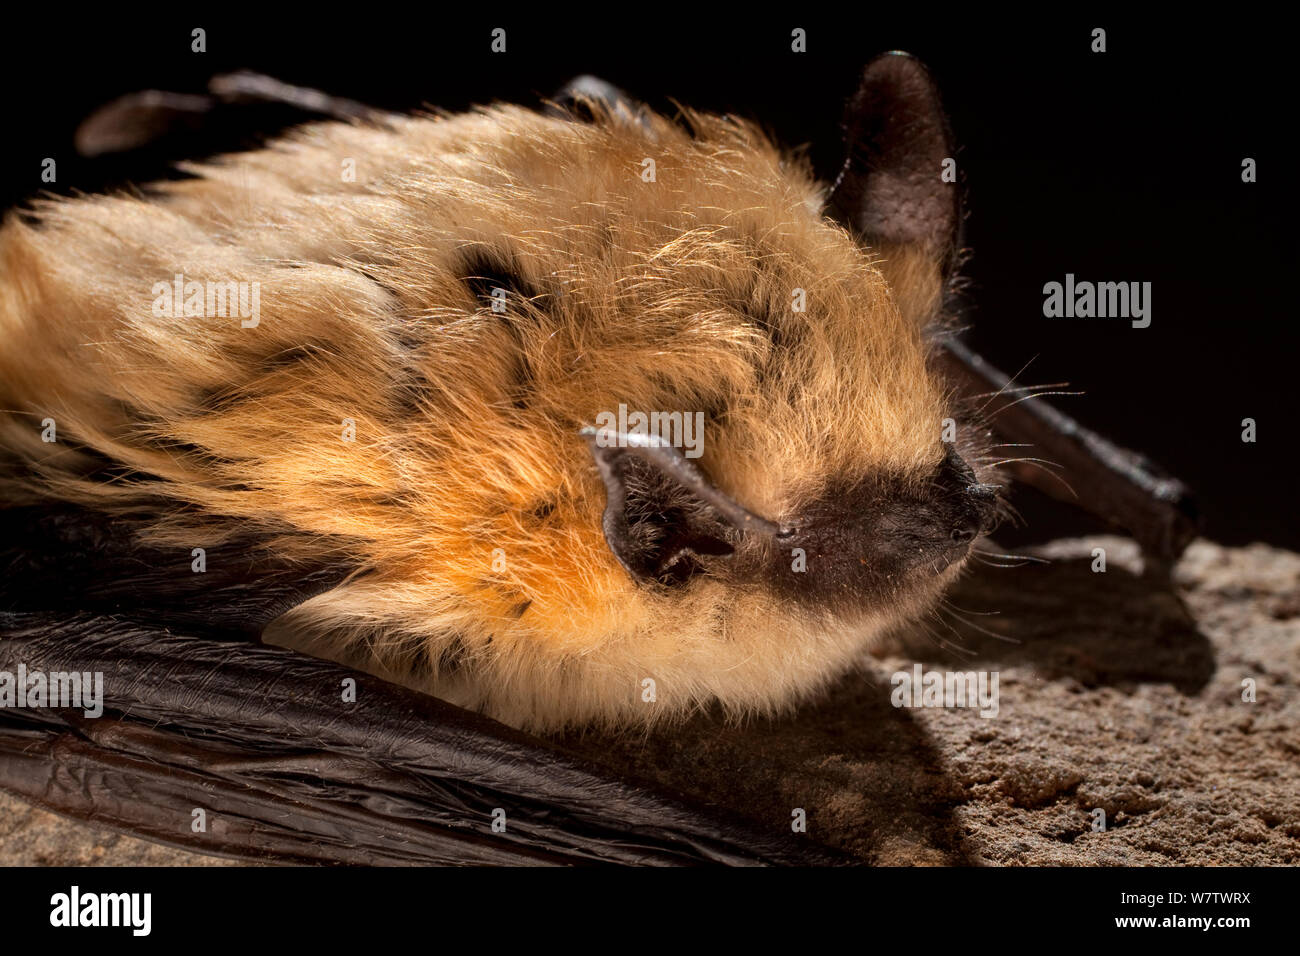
930,527
666,522
883,537
965,506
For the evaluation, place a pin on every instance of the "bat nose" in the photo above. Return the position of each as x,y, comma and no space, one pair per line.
984,503
965,532
973,504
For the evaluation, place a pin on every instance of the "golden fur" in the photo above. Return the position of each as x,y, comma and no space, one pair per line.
673,294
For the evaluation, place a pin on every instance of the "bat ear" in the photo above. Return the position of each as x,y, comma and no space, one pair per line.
897,185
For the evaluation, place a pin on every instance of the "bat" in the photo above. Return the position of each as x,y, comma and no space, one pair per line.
517,420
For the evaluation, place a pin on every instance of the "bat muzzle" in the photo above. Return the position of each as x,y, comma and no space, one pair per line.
665,522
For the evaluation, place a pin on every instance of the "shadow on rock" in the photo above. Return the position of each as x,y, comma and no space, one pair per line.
866,775
1065,620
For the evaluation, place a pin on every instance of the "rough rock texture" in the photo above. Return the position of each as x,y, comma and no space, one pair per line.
1115,693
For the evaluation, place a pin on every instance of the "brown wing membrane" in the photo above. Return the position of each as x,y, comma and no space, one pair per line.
141,119
260,740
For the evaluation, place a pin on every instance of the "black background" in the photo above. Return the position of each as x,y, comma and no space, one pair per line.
1122,166
312,909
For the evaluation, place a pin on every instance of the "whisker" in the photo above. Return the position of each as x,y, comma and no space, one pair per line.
996,564
946,603
944,642
1007,385
1012,461
970,653
1042,465
984,630
1027,397
1022,559
1020,388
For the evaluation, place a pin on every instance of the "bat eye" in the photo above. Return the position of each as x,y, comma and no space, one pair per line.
494,284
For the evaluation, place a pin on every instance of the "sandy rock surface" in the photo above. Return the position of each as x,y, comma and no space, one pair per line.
1114,693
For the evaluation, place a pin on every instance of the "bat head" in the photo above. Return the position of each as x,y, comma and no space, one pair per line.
840,418
709,454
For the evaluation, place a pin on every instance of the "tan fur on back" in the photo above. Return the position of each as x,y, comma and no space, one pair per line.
665,295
